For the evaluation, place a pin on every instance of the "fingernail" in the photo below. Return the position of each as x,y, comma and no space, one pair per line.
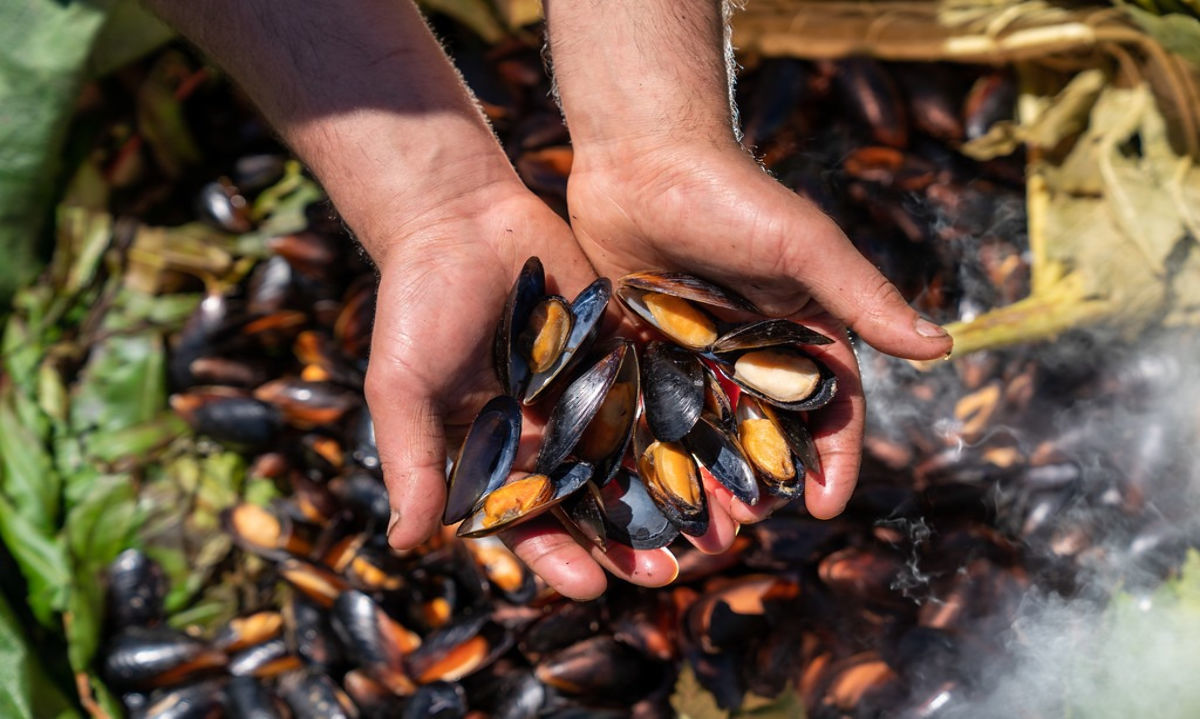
925,328
737,528
392,522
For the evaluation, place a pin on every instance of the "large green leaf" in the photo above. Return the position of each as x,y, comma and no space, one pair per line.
25,691
123,383
44,45
43,562
28,476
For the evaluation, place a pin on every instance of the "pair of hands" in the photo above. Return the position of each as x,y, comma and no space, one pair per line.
704,209
368,99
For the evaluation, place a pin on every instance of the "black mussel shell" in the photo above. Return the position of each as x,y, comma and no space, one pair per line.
580,402
374,700
374,640
690,517
587,310
146,657
821,395
583,513
310,633
202,700
563,482
511,368
631,517
795,435
247,698
522,695
458,650
229,417
313,581
266,660
768,333
246,631
601,668
684,286
720,453
364,451
673,390
365,495
486,457
313,695
439,700
137,587
717,406
610,430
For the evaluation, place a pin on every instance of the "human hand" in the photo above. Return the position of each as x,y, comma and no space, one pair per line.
710,210
443,284
659,181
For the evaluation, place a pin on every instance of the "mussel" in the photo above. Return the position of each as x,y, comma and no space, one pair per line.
777,444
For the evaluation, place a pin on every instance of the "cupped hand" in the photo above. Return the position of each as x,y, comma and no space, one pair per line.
707,208
443,284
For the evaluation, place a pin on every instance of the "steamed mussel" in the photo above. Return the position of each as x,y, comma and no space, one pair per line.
672,401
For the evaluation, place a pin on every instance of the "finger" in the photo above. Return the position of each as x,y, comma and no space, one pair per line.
411,442
843,282
746,514
837,431
553,555
578,572
721,527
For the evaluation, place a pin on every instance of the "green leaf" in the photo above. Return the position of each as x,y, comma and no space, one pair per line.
102,522
42,559
44,45
785,706
123,384
690,700
25,691
28,476
131,32
137,441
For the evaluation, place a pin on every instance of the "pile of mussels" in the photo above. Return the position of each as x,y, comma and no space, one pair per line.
669,400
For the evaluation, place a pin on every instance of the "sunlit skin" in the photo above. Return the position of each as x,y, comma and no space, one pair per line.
781,375
681,320
543,339
368,100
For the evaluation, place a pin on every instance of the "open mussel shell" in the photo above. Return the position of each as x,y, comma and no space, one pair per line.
720,453
246,697
146,657
678,305
582,401
199,700
374,639
778,445
673,390
512,369
783,375
263,661
313,695
522,499
768,333
585,313
458,650
610,429
631,517
264,531
486,457
672,480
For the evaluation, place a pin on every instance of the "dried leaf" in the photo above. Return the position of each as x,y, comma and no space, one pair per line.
1062,117
785,706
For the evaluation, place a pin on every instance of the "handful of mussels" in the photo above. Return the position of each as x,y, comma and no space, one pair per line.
724,394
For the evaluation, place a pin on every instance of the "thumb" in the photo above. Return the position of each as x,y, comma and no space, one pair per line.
852,290
411,441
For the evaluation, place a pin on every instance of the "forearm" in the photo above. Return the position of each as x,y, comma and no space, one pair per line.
363,93
636,70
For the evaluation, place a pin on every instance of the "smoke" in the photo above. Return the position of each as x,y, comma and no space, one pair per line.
1102,507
